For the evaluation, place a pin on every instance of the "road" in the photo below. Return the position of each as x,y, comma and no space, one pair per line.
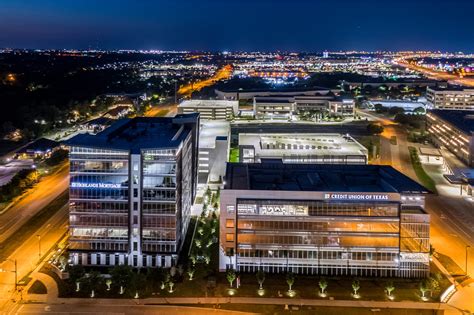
48,189
437,75
450,229
222,74
28,254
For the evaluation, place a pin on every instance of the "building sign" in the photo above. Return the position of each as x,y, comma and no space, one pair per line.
360,197
415,257
283,210
95,185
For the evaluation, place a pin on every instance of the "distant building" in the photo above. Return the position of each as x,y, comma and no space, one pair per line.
284,107
131,191
40,148
357,220
210,109
242,94
453,129
119,111
301,148
407,105
457,98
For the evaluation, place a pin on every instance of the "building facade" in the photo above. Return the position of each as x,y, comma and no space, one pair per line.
454,130
455,98
285,107
210,109
131,191
358,220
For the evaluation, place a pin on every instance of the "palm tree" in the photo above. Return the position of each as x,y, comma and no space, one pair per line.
389,287
231,276
323,284
424,287
290,280
260,278
191,271
356,286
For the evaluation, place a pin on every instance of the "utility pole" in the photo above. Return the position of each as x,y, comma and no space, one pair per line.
467,253
176,91
39,246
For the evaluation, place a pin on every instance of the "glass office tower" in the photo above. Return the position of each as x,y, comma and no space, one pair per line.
360,220
131,191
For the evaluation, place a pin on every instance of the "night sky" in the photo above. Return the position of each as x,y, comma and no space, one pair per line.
266,25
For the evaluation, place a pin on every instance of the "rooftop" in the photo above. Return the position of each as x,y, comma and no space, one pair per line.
140,133
319,177
313,144
461,119
450,88
289,90
40,145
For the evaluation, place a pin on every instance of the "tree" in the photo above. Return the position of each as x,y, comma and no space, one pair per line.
191,270
374,129
260,278
323,284
395,110
290,280
93,281
389,287
231,276
424,287
121,276
355,287
76,272
108,283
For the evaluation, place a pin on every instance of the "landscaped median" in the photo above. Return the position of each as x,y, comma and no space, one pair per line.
424,178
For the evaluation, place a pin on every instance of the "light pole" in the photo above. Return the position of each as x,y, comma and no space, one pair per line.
39,246
467,252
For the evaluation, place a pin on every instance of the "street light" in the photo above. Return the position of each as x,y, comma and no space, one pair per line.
467,248
39,246
14,271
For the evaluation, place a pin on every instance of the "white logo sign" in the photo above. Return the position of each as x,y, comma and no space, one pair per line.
356,197
94,185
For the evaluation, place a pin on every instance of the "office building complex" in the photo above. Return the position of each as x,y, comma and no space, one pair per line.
359,220
131,190
284,107
458,98
453,129
210,109
301,148
249,94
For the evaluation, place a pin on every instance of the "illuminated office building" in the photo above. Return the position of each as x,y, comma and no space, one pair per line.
454,130
358,220
131,190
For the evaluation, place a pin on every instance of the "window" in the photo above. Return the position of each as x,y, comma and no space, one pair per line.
230,209
229,237
135,206
135,219
135,192
229,223
135,246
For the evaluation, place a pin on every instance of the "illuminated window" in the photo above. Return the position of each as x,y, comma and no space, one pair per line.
229,237
229,223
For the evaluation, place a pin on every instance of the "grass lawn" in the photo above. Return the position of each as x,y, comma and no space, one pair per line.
369,142
234,155
424,178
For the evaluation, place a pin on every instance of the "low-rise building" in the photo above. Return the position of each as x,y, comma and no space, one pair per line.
357,220
210,109
301,148
454,130
455,98
249,94
284,107
38,149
